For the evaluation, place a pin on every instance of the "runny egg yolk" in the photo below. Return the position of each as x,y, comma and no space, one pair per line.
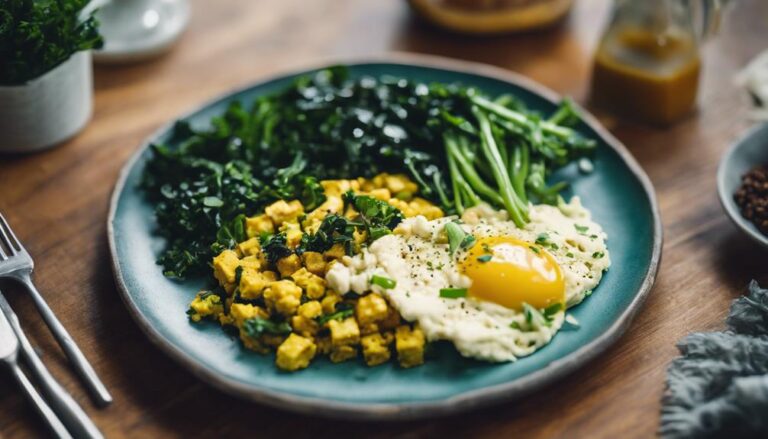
510,272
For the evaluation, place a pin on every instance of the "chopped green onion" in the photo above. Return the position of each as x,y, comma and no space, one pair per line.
383,282
453,293
535,249
598,255
338,315
542,238
484,258
553,309
580,228
533,317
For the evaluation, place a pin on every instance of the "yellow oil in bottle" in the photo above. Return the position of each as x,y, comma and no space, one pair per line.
646,76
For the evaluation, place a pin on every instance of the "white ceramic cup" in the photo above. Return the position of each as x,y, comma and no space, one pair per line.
47,110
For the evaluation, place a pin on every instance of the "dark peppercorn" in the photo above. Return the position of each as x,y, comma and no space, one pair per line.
752,197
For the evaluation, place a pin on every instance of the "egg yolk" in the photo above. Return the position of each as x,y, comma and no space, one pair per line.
510,272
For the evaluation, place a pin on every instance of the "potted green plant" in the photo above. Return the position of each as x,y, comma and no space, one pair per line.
46,85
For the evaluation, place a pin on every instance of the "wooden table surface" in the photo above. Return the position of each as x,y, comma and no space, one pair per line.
57,201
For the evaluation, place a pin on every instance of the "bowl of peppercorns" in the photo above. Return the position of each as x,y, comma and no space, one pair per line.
742,182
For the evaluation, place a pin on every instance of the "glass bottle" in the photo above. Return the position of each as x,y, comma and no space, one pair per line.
647,65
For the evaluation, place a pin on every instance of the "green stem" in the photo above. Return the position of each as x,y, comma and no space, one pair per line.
471,176
520,118
515,207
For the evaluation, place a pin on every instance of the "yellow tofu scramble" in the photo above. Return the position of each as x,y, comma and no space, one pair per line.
285,305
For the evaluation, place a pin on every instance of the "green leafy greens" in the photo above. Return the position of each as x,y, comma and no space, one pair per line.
38,35
461,147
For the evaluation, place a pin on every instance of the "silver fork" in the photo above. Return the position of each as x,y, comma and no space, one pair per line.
9,350
17,264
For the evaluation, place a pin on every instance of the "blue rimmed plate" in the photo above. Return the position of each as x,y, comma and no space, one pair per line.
618,193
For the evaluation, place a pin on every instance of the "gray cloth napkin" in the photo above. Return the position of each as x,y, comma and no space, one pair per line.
719,387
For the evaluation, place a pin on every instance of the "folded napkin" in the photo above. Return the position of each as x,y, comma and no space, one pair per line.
719,387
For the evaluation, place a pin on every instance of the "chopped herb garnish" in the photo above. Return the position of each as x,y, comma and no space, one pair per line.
256,327
553,309
533,317
457,237
535,249
542,238
338,315
580,228
453,293
569,254
383,282
598,255
484,258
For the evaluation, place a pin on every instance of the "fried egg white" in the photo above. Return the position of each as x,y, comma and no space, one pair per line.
558,258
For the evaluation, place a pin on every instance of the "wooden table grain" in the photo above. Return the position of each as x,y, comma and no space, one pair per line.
57,200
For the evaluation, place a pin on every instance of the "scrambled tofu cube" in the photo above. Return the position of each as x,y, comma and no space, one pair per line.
402,206
295,353
250,247
332,204
329,301
282,211
252,283
399,183
293,234
420,206
313,285
283,296
314,262
410,346
205,304
224,266
337,251
337,188
371,309
240,312
255,226
375,349
304,326
311,309
343,353
251,262
382,194
288,265
344,332
304,321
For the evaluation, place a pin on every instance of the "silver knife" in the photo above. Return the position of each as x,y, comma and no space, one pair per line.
70,413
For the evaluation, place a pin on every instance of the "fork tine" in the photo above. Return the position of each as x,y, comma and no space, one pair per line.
10,240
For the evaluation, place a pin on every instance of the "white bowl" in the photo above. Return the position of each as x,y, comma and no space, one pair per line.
49,109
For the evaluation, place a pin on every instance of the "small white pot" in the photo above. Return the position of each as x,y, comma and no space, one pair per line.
47,110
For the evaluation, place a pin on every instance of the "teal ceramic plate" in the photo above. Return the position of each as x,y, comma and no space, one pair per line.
618,192
748,152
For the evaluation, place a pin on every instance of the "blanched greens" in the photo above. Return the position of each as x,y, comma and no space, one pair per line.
460,146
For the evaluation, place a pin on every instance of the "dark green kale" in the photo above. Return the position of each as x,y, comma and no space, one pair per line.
334,229
378,218
38,35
